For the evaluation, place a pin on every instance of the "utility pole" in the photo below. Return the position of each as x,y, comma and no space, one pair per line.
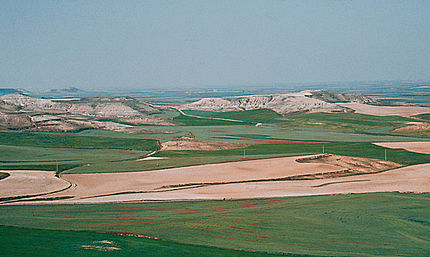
385,154
244,154
323,148
56,164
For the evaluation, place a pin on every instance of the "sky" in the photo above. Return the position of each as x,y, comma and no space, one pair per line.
179,44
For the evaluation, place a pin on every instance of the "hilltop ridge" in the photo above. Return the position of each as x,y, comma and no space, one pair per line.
304,101
22,112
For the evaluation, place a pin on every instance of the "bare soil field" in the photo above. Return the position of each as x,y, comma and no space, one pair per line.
405,111
176,183
414,178
30,182
418,147
108,183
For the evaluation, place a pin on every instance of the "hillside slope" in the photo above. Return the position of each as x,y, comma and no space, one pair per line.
23,112
305,101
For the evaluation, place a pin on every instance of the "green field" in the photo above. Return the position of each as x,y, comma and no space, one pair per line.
194,121
423,117
42,158
119,160
70,140
251,116
260,151
389,224
349,121
39,242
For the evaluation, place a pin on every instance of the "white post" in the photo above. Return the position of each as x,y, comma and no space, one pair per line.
385,154
244,155
56,162
323,148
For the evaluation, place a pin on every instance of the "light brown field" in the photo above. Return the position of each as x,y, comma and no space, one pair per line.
232,180
209,181
405,111
407,179
30,182
108,183
418,147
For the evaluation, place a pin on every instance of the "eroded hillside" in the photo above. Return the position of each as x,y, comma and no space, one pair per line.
305,101
23,112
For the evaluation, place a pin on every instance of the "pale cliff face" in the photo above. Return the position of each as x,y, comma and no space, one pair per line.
304,101
282,103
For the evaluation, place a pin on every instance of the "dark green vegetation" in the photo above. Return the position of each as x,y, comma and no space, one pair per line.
39,158
252,116
365,150
118,160
39,242
68,140
424,116
349,121
341,225
194,121
4,175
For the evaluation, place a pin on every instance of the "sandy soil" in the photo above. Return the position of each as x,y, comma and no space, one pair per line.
418,147
405,111
407,179
26,182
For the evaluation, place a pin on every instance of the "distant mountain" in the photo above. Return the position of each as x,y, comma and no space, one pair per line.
67,90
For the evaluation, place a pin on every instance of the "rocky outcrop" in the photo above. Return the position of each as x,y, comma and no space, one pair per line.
330,97
281,103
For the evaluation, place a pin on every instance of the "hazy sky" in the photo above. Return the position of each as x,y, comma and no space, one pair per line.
146,44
